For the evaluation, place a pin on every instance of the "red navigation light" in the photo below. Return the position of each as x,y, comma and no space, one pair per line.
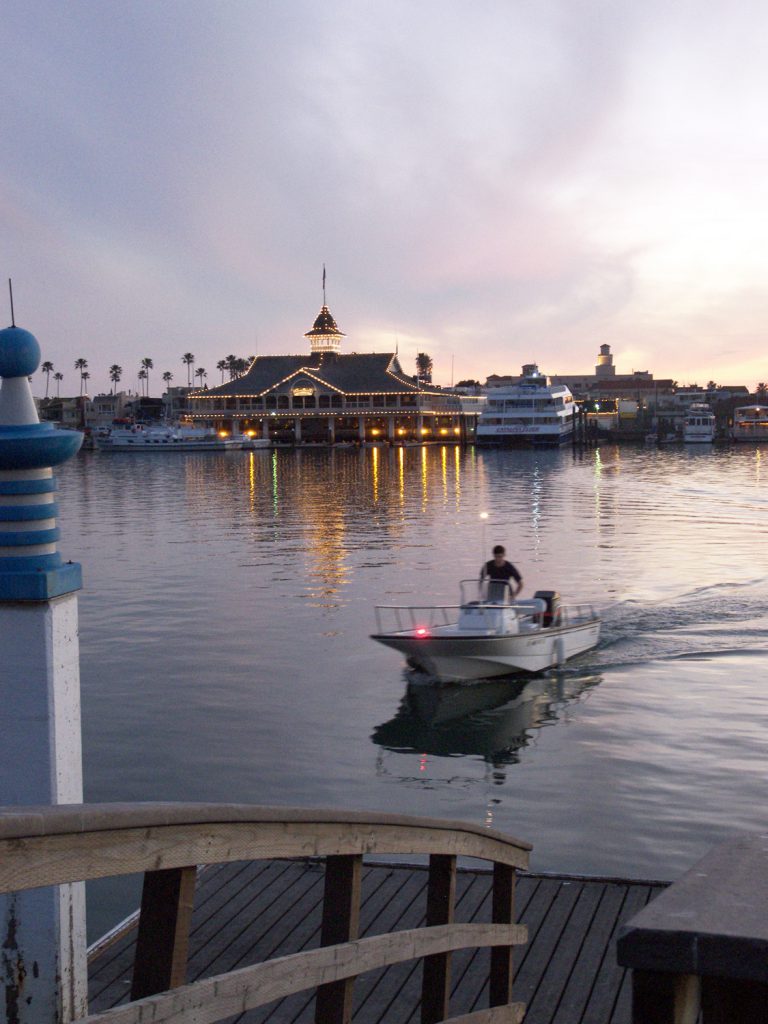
422,631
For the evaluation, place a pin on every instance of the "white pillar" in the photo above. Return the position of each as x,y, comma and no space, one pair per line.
42,931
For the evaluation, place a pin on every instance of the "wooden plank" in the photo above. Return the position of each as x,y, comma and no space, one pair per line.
609,973
213,999
511,1013
35,860
590,957
385,892
341,923
162,942
549,992
539,955
475,980
251,914
436,970
398,989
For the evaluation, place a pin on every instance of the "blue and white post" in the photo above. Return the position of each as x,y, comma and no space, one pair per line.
42,932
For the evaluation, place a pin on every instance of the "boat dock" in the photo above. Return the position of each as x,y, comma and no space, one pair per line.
249,912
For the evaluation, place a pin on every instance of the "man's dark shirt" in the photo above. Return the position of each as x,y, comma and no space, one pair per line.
505,572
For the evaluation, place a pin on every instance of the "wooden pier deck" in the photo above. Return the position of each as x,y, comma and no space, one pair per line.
252,911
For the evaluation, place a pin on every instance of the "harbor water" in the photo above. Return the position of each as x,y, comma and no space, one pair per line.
229,598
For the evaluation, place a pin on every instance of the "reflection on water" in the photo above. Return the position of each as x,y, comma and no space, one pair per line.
492,719
228,602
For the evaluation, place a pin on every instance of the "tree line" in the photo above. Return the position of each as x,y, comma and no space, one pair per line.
232,365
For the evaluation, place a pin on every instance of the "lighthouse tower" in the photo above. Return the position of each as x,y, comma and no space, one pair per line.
42,932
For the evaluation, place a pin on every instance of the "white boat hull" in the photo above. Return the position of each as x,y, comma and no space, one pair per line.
451,657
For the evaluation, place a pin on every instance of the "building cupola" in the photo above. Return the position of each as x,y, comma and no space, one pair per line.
325,336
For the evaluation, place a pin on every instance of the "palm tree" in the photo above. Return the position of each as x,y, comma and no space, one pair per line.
424,368
47,369
230,361
147,364
761,391
115,373
84,376
221,366
201,373
167,378
81,364
142,376
188,359
58,377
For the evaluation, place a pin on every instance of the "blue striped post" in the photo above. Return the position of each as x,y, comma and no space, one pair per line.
42,932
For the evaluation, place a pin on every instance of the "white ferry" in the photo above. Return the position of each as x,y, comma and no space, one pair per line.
699,426
533,411
750,423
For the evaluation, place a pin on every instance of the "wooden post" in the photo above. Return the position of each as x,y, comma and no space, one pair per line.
341,922
436,981
502,912
163,940
665,998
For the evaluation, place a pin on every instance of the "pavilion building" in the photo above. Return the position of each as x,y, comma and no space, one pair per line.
329,397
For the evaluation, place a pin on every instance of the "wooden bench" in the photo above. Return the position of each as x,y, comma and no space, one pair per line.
167,842
701,947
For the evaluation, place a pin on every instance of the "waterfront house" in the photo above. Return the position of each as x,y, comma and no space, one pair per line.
326,396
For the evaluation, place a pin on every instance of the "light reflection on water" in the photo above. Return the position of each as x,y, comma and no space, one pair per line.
228,601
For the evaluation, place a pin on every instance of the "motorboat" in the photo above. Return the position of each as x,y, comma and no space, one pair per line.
750,423
141,438
533,411
488,636
699,426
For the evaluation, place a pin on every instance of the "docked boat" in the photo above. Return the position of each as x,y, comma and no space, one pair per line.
699,426
533,411
750,423
139,438
479,639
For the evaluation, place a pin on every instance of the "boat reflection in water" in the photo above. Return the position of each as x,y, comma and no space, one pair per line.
492,719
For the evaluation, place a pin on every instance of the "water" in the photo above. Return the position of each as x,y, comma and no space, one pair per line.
225,654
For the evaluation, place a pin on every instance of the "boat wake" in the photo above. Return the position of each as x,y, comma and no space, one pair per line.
707,622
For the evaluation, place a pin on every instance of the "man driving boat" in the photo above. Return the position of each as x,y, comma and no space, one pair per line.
499,573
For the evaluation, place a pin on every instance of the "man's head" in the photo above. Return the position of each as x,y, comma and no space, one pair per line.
499,552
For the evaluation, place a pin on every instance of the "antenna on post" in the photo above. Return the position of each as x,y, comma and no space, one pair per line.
324,302
10,289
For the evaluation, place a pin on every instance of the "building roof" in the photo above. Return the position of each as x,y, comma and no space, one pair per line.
354,373
324,326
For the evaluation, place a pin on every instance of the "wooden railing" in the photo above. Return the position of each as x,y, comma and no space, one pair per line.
699,951
167,842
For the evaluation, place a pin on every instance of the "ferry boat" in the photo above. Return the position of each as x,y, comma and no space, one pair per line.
699,426
166,439
480,639
750,423
531,412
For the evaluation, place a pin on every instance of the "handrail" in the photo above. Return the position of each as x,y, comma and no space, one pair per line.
42,846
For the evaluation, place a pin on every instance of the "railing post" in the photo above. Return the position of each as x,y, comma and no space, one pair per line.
441,896
665,998
162,943
502,912
341,922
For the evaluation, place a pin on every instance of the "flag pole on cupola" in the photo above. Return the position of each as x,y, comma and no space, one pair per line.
324,302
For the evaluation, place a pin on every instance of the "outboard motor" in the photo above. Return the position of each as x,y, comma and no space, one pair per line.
552,600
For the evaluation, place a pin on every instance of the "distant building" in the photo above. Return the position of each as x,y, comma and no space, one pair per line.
326,397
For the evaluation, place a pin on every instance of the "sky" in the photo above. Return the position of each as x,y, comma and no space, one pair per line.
493,183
